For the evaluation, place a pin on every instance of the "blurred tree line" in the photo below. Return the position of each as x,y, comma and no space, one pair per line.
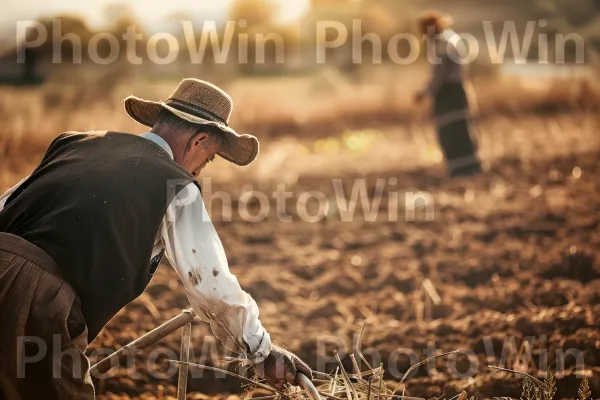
260,44
581,17
70,35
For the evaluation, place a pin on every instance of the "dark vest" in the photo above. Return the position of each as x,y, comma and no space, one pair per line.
95,204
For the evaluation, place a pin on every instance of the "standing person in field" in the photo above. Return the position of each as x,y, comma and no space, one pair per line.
446,88
77,237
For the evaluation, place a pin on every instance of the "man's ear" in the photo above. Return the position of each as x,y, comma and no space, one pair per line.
198,139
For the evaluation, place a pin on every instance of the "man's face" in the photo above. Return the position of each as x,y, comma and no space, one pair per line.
201,150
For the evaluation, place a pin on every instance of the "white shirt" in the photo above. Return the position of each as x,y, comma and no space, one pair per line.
193,247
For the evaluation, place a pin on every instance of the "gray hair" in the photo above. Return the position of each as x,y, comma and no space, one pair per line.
167,118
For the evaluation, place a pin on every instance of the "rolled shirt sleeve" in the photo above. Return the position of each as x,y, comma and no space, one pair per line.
193,247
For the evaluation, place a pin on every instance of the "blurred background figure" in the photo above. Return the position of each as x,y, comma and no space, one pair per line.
447,91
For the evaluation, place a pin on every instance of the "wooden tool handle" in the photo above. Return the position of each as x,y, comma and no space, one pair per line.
309,387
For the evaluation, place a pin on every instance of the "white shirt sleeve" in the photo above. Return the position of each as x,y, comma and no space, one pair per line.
10,191
194,249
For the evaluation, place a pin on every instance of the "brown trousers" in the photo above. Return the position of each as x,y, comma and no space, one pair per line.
43,335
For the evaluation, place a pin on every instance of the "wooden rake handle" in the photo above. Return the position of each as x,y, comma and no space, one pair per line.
144,341
165,329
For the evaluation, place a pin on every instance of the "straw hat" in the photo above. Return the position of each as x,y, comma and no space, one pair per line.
202,103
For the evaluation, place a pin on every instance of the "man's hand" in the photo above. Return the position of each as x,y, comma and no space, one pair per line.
282,366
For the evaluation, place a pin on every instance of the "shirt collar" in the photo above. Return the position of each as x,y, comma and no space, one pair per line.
153,137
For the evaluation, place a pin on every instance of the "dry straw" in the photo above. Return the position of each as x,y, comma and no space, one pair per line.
342,385
370,385
534,389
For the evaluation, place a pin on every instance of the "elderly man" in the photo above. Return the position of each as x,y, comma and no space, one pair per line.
82,236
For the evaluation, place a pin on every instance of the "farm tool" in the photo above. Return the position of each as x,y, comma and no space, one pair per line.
182,321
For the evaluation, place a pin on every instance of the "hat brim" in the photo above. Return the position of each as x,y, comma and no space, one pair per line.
238,149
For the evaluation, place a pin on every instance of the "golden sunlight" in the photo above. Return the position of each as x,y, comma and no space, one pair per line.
149,13
290,10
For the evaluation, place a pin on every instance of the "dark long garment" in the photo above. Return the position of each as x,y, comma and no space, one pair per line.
451,112
41,314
